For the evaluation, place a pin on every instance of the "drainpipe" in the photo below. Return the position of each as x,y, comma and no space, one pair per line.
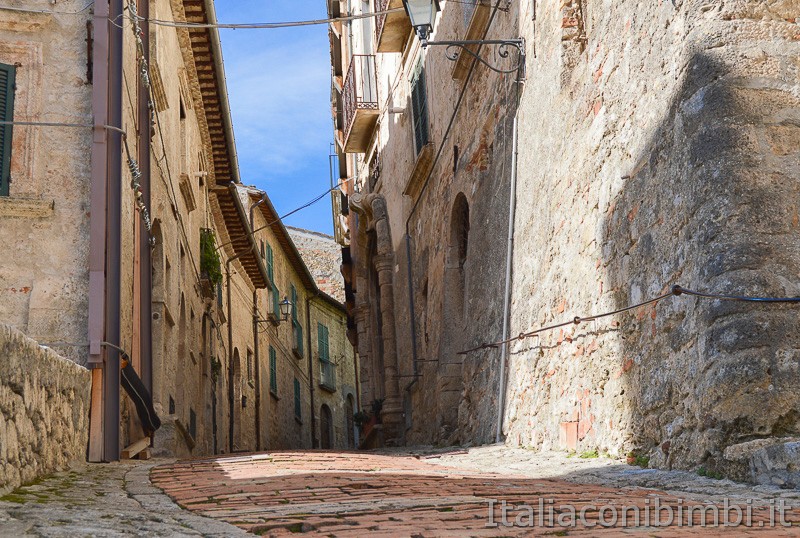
145,260
111,411
257,370
230,352
97,226
314,440
254,206
512,204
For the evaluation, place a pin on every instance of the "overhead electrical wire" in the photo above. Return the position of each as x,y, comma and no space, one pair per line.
675,291
290,213
268,25
48,11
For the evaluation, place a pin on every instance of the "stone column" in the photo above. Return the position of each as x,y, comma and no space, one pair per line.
384,265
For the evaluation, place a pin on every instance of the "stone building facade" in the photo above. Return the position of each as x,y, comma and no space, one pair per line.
657,146
323,256
308,380
128,228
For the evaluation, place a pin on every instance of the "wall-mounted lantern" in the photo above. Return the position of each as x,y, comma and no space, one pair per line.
423,14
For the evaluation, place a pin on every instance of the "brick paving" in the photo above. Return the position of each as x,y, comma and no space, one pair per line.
395,494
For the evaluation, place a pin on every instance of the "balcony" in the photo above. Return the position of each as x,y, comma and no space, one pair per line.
394,28
327,375
360,96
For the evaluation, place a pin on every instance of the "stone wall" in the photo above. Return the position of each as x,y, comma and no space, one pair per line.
658,145
323,257
44,410
44,292
660,148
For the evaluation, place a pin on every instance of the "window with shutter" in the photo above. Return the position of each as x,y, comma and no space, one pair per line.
297,329
270,263
7,74
297,405
469,9
322,343
273,371
419,107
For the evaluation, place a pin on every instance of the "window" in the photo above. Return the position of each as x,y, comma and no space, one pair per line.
419,107
7,74
322,343
275,294
297,329
273,371
469,9
250,367
297,407
192,423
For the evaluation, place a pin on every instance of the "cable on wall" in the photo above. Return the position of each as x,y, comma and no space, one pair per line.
675,291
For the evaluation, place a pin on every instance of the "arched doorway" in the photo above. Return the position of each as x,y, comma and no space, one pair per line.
235,392
450,383
325,427
349,423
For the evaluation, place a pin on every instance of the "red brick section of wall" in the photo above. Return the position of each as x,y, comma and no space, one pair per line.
360,494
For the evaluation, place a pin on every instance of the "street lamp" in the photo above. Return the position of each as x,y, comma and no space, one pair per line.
286,308
422,14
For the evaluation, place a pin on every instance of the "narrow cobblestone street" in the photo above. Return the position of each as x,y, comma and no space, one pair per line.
426,494
413,493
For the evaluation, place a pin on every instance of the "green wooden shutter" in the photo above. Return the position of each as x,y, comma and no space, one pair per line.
322,343
276,302
273,370
297,407
7,75
419,107
298,329
294,304
270,266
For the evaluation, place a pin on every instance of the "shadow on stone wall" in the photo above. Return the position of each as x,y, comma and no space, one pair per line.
712,206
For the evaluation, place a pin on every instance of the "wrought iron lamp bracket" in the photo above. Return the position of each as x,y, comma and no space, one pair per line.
504,47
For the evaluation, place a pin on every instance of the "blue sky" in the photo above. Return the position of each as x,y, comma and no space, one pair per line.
279,87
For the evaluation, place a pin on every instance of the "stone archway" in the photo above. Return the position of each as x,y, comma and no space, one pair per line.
349,422
236,403
450,380
325,427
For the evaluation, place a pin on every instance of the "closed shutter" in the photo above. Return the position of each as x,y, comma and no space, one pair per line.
419,107
7,73
270,265
276,302
322,343
273,370
297,328
297,406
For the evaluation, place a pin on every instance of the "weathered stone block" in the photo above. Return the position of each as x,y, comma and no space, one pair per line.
44,409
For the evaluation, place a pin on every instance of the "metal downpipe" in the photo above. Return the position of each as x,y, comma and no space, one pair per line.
501,389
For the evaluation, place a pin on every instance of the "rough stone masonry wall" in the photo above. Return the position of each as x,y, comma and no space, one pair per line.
323,256
659,145
44,409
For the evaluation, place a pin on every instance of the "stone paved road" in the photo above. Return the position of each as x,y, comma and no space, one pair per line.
424,495
103,500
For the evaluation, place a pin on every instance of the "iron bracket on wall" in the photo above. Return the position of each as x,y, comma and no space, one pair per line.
504,48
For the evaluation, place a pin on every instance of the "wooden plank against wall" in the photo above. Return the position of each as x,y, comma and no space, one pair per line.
96,417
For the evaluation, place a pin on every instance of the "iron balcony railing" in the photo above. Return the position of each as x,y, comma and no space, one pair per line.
327,374
360,89
380,20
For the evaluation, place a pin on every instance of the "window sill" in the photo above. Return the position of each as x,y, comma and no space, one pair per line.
274,395
421,168
298,420
477,26
32,208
